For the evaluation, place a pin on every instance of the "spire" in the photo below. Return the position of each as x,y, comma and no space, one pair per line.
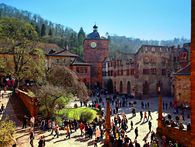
95,27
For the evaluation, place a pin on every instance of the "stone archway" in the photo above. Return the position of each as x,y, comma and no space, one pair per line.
128,88
121,87
109,86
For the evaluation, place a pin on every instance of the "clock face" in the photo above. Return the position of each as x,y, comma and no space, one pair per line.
93,44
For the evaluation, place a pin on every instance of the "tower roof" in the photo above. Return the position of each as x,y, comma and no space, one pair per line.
94,34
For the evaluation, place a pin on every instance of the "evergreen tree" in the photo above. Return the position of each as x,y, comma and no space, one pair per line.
81,36
37,30
50,32
43,30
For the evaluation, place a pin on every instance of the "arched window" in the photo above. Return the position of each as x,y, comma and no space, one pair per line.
121,87
128,88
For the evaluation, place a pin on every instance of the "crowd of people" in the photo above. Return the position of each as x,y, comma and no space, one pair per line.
95,130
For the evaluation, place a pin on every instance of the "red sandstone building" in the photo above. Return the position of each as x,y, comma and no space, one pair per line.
95,52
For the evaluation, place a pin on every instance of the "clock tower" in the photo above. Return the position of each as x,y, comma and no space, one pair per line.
95,52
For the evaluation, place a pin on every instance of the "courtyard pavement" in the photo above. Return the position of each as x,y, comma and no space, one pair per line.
22,135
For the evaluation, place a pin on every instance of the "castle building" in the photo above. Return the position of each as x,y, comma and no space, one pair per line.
139,74
95,52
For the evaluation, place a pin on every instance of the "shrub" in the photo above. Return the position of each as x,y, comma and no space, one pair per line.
86,116
7,130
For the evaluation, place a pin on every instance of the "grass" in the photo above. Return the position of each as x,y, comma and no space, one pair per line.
75,113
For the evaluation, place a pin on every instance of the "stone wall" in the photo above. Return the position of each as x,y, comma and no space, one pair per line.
182,90
29,102
193,74
96,56
181,136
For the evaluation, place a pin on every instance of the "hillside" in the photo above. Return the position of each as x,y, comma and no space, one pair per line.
50,32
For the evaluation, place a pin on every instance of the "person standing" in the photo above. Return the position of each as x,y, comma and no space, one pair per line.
56,130
97,134
82,126
32,121
24,121
136,132
41,142
32,136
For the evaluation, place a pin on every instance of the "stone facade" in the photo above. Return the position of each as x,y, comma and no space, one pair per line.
139,73
95,52
65,58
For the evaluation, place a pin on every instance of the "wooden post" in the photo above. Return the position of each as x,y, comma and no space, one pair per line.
192,101
107,124
159,109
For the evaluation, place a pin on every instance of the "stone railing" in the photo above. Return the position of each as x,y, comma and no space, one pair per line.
182,137
29,102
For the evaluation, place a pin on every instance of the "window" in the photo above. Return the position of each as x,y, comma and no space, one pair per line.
132,71
153,49
77,69
153,71
111,73
121,72
127,72
163,72
146,71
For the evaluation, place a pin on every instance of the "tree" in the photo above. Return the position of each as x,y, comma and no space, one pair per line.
52,98
43,30
37,30
81,36
24,60
50,32
7,130
64,77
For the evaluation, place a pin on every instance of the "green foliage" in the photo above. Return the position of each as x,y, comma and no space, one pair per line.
67,79
43,30
86,116
20,39
52,98
30,93
7,130
50,32
81,113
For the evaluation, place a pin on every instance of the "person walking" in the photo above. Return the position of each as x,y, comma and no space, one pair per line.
136,132
67,128
149,114
32,136
150,125
131,125
141,115
145,116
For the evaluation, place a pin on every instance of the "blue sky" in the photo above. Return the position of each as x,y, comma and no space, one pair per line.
144,19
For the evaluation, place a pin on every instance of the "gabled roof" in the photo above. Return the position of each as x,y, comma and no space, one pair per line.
79,61
184,71
63,53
